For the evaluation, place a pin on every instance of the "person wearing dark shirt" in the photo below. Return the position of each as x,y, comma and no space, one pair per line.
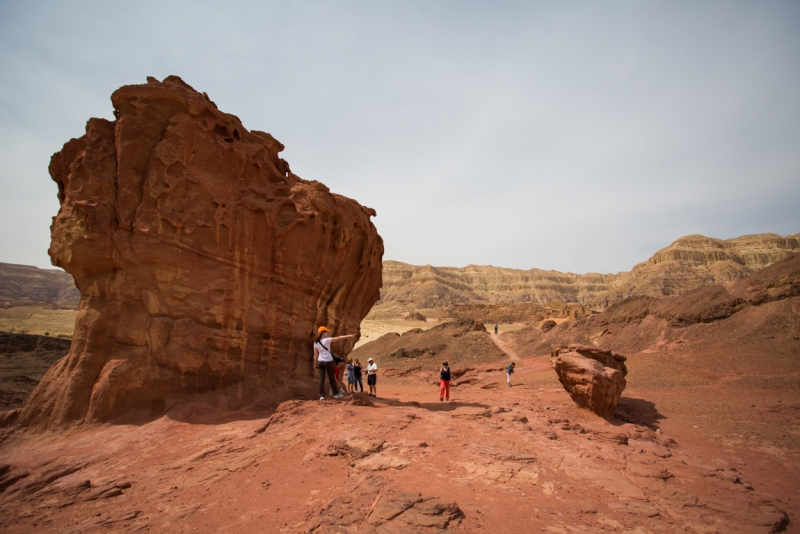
509,372
357,376
444,376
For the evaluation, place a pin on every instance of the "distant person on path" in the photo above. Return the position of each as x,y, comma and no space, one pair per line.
372,377
351,376
357,375
323,359
509,372
496,328
444,376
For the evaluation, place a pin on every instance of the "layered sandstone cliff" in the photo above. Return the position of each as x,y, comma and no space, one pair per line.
690,262
25,283
203,263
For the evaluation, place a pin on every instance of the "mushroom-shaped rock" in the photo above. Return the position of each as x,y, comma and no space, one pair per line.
593,377
204,265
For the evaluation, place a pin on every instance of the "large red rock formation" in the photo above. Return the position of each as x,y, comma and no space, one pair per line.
203,263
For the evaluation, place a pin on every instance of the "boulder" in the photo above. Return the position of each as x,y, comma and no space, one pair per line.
415,316
204,264
593,377
548,325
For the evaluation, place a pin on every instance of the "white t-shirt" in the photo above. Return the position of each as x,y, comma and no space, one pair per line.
323,347
372,369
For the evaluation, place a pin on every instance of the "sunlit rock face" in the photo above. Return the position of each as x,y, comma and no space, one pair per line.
203,263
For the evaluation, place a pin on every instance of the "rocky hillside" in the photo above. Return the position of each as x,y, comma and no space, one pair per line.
688,263
24,283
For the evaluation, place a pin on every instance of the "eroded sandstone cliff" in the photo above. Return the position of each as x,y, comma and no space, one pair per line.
688,263
203,263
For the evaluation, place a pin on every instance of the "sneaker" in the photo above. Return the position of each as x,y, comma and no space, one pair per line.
322,397
339,396
441,400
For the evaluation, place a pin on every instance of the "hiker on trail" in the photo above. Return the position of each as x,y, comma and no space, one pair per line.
357,375
372,377
509,372
444,377
324,360
496,327
350,374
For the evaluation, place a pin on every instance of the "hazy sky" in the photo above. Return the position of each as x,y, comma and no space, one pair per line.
577,136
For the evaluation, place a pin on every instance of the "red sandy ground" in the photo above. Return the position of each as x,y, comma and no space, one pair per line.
494,459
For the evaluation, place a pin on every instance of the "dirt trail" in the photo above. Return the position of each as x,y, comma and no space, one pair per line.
504,346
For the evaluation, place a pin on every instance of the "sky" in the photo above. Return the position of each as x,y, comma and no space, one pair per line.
575,136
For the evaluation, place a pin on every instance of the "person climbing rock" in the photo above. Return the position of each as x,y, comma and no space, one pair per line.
444,377
324,361
509,372
372,377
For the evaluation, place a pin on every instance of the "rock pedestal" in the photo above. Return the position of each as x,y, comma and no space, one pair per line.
204,265
593,377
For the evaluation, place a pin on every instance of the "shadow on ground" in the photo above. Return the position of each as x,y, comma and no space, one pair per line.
639,412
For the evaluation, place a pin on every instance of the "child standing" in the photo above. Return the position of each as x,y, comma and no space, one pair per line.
509,372
444,377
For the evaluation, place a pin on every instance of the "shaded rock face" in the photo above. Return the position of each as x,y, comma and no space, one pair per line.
548,325
593,377
203,263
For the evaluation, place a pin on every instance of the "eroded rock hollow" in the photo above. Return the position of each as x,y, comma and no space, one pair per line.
203,263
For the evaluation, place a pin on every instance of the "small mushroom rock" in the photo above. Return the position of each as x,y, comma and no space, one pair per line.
204,264
593,377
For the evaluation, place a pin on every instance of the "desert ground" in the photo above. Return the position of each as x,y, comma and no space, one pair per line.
492,459
39,319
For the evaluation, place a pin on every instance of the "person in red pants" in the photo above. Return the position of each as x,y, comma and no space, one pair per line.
444,376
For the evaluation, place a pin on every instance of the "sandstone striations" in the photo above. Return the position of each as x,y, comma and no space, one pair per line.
485,291
203,263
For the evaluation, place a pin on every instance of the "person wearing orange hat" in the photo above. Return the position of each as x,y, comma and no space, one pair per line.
325,361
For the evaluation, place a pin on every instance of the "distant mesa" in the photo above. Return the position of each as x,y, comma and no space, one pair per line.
747,316
490,293
23,283
203,263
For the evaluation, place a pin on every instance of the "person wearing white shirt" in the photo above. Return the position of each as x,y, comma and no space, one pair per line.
372,377
323,358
